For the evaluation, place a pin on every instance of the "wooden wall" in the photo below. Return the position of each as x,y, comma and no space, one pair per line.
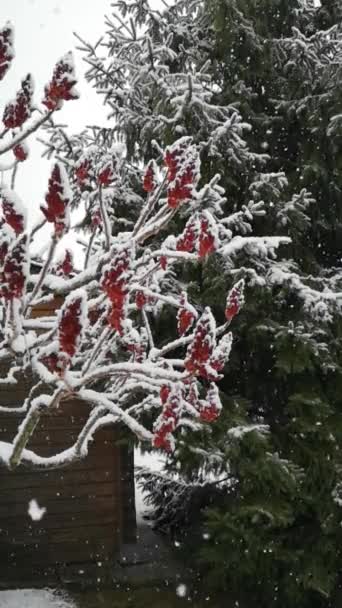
89,505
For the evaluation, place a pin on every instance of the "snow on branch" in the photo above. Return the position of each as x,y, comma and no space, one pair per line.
97,341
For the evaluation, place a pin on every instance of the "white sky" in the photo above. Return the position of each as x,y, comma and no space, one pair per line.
43,33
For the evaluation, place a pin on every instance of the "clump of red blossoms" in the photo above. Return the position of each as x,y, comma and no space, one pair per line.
96,217
57,200
18,111
235,300
150,177
207,241
183,171
167,422
201,348
21,152
185,316
62,85
6,49
55,361
187,240
14,271
13,210
140,300
115,284
210,409
106,172
163,262
65,267
82,172
6,238
71,322
221,352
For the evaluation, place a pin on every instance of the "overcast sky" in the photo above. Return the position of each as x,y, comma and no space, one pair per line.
43,33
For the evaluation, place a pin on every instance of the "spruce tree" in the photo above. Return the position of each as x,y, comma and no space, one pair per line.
258,87
275,62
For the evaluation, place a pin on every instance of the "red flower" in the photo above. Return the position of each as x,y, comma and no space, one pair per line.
211,408
18,111
71,322
162,441
57,200
13,210
115,284
150,177
140,299
207,236
6,237
185,317
187,240
221,353
82,172
94,314
116,317
62,85
163,262
15,268
96,217
201,348
183,171
235,300
65,267
193,394
21,152
55,362
6,49
167,422
180,192
164,393
106,174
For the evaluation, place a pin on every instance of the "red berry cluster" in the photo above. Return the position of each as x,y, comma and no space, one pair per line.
115,284
150,177
70,325
163,262
207,235
6,237
14,270
140,300
187,240
106,172
6,49
18,111
83,172
185,317
135,343
167,422
221,353
65,267
210,409
12,210
62,85
201,348
57,200
55,361
21,152
182,161
235,300
200,233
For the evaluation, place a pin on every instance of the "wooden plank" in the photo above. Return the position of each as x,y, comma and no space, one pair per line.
95,504
24,527
50,554
64,492
17,480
